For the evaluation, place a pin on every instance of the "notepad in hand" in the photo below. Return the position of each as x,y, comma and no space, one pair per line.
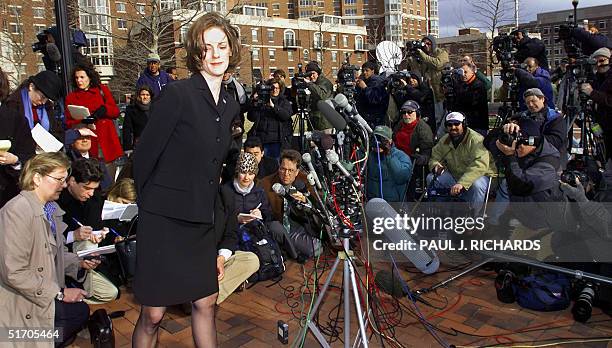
244,215
109,249
78,112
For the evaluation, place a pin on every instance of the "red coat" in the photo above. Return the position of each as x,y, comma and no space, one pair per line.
105,128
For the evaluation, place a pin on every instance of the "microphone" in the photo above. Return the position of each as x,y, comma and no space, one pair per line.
53,52
337,121
280,190
379,208
342,102
334,159
308,160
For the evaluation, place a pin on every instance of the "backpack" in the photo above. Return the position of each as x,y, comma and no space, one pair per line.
254,237
543,292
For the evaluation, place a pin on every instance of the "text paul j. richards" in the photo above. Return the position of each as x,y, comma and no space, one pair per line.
468,245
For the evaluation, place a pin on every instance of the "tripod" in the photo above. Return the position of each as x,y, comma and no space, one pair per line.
349,283
303,116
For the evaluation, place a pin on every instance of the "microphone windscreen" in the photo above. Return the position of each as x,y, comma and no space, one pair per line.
337,121
53,52
327,142
278,189
341,100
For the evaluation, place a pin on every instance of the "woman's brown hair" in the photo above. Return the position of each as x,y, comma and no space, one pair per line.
195,45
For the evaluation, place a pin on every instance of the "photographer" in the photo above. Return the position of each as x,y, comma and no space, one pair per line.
600,91
372,98
411,87
533,76
389,169
320,89
429,62
590,40
529,47
470,98
459,162
271,114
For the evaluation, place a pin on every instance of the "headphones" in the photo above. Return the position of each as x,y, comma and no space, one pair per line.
464,122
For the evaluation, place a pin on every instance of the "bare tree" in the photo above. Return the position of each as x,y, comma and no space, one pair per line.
492,14
14,45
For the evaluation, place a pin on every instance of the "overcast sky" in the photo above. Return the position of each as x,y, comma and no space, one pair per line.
453,13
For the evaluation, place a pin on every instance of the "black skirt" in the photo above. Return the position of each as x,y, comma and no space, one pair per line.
176,261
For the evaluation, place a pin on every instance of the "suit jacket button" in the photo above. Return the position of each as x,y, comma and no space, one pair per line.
28,316
39,292
40,269
218,139
218,119
211,182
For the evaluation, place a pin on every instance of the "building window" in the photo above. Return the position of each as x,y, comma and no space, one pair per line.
318,41
334,72
121,24
345,40
255,53
545,30
319,56
39,28
271,35
169,4
290,71
254,34
359,42
350,2
140,8
306,56
556,29
15,28
15,11
602,24
38,12
120,7
289,38
290,56
359,57
99,50
334,55
333,40
557,51
350,12
276,7
271,53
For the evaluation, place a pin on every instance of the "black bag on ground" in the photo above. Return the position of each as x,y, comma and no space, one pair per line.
126,251
101,331
254,237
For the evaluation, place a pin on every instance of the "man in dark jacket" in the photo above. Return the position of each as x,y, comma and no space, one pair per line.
590,40
534,77
529,47
601,93
411,88
372,98
471,99
320,89
153,76
272,120
267,165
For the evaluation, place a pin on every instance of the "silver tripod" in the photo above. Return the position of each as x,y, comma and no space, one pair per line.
349,276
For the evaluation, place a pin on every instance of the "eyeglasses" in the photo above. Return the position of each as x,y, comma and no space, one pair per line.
407,112
59,180
287,170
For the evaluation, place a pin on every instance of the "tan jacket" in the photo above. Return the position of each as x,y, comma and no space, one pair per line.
32,264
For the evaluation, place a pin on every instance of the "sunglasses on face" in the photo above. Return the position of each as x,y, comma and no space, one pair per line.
452,124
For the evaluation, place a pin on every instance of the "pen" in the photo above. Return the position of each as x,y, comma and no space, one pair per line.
80,224
77,222
115,232
258,205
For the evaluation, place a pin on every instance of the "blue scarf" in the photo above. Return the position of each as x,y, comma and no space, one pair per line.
49,208
27,108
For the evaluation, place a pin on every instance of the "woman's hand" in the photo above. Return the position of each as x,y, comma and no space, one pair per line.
7,158
256,212
220,267
90,264
72,295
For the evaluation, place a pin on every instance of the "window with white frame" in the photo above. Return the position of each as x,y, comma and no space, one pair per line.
100,50
271,53
334,56
121,24
140,8
350,12
169,4
270,35
319,56
289,37
318,41
255,53
345,40
14,11
38,12
290,56
276,7
94,15
15,28
306,55
120,7
359,42
602,24
254,34
291,71
332,40
39,28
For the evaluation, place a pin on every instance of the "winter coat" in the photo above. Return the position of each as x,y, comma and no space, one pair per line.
33,264
421,141
485,80
590,42
553,127
244,203
272,124
133,124
532,47
467,162
320,90
396,169
602,96
107,138
372,101
157,83
539,79
471,99
430,67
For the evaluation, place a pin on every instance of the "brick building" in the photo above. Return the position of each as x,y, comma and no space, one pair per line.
469,42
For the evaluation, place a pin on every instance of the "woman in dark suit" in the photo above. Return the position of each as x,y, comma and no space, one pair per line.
136,117
177,165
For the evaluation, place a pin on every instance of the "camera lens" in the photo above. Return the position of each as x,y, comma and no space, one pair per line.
584,304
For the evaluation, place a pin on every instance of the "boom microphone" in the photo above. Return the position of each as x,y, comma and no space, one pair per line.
332,115
308,160
53,52
379,208
342,102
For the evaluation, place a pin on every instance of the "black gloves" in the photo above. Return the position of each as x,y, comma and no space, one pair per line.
101,112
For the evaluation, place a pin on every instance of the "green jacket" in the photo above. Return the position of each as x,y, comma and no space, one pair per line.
482,77
466,163
320,90
430,67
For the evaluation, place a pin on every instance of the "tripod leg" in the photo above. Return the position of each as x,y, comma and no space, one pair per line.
347,303
364,337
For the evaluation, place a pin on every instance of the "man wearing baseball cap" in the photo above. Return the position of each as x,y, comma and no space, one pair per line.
153,76
460,162
389,169
601,93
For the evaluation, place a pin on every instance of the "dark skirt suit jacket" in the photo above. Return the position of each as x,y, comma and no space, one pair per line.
179,157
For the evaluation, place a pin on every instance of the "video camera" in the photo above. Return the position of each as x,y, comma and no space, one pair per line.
414,45
450,80
264,93
346,78
300,86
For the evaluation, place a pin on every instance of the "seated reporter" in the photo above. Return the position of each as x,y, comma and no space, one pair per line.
389,169
82,202
266,165
34,259
460,162
299,228
78,145
272,121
